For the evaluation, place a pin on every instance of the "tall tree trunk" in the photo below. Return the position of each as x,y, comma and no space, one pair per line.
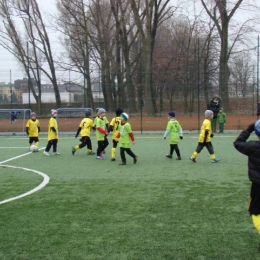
224,72
222,23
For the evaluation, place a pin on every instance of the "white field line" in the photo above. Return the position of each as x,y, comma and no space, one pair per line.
14,147
45,181
19,156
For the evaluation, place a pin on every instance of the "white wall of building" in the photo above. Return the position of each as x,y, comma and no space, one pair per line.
49,98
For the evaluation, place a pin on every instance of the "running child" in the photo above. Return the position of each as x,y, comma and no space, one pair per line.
84,129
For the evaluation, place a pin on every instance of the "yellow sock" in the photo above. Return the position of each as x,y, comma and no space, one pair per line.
76,147
256,222
37,144
194,155
113,153
212,156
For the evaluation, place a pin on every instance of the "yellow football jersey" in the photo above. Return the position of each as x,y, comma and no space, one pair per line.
52,135
86,124
115,122
206,125
33,127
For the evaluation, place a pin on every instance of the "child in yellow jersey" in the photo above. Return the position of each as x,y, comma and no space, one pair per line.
53,134
33,130
84,129
124,136
205,138
114,125
251,149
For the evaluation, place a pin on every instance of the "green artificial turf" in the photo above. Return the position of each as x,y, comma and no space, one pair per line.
159,208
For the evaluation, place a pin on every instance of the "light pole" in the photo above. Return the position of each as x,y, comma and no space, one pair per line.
84,75
257,73
253,89
69,88
28,74
198,83
11,91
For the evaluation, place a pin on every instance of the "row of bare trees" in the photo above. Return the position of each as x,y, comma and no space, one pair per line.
143,52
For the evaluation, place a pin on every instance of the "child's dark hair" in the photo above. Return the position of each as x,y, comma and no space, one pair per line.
119,111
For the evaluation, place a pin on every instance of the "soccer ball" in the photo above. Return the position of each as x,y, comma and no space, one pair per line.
33,148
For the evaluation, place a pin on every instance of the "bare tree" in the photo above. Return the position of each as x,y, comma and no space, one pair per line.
73,22
125,38
29,14
102,34
148,16
12,41
242,75
221,12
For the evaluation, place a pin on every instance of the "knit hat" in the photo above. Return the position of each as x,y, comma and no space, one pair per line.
101,110
53,111
125,116
119,111
171,114
33,114
257,127
208,113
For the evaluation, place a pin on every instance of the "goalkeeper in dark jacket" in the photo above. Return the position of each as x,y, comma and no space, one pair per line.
258,109
252,150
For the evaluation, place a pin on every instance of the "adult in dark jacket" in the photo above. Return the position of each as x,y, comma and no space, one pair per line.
214,105
258,109
252,150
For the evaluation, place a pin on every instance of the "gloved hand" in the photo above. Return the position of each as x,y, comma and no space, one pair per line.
76,136
251,128
181,137
211,135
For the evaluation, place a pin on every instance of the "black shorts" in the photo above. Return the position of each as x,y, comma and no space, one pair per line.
33,139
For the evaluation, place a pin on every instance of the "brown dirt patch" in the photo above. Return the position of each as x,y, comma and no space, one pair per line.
138,124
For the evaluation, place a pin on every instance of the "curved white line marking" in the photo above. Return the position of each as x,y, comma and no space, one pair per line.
45,181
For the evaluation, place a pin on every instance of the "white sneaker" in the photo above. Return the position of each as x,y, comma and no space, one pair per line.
56,153
46,153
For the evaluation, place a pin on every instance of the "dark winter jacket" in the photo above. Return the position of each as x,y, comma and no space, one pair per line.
258,109
214,106
252,150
